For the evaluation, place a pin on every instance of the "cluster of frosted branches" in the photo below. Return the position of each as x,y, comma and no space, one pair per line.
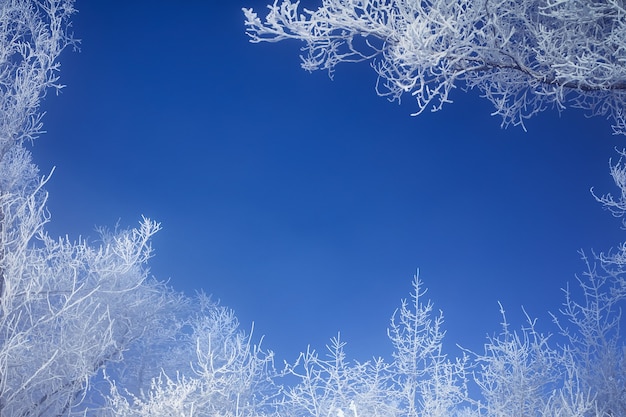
592,324
335,386
226,374
520,373
66,308
420,381
84,331
616,205
523,55
32,36
596,320
73,312
526,374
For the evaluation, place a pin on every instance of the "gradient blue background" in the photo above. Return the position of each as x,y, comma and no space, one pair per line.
307,204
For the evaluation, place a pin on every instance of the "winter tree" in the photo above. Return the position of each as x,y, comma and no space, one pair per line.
67,309
524,56
85,331
420,381
522,372
211,368
527,373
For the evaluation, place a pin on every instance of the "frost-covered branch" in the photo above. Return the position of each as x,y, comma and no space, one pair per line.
524,56
616,205
32,36
334,386
226,375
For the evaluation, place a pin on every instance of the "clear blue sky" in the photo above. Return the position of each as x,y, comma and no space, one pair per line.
307,204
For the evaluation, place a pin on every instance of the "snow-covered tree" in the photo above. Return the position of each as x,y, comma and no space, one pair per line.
85,331
420,381
526,372
522,55
67,309
212,368
522,373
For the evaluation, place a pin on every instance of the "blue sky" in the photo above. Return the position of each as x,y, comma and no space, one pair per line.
306,204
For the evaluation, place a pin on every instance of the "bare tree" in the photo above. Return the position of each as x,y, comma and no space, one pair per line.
523,56
420,381
522,373
426,381
527,373
67,309
591,321
211,369
332,385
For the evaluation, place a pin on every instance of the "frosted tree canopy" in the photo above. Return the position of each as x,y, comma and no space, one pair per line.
522,55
